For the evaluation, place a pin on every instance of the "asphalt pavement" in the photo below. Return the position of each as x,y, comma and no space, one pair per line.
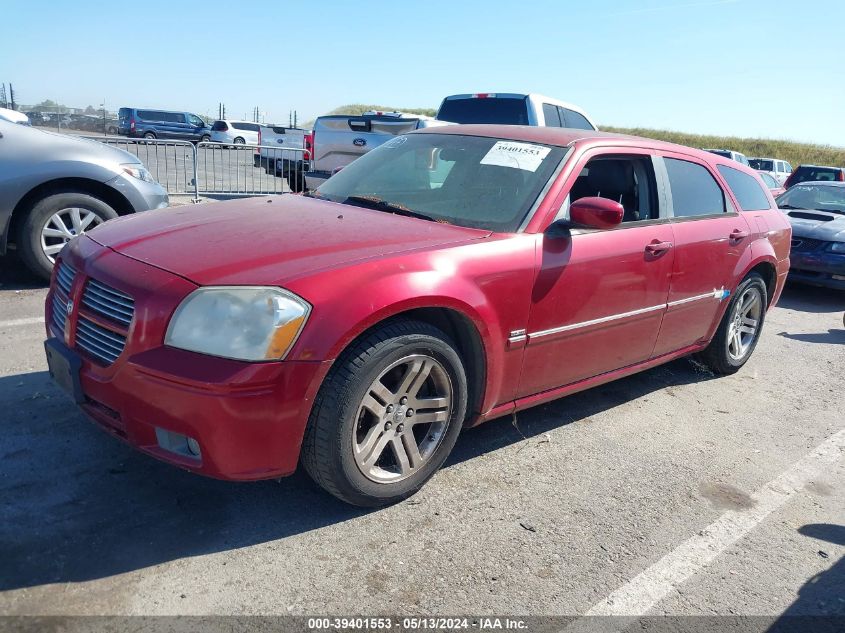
668,492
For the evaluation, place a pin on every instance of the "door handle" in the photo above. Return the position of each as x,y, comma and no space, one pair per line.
738,235
657,247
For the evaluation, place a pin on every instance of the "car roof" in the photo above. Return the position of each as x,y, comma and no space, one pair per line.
821,166
826,183
568,137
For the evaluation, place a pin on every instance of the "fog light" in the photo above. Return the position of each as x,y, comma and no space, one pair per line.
193,446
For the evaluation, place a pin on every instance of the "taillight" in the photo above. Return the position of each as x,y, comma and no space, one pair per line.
132,124
483,95
840,175
309,146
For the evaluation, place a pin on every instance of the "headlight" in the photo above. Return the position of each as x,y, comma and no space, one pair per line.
836,247
136,170
242,322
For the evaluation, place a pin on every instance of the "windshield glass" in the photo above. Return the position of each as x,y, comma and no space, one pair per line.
762,164
821,197
471,181
499,110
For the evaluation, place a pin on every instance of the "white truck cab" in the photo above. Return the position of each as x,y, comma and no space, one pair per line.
507,108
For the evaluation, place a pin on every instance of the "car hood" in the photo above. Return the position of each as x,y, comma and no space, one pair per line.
817,225
85,148
270,240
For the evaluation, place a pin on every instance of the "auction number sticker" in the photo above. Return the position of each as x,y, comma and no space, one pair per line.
525,156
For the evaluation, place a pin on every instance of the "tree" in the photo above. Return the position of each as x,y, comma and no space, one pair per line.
90,110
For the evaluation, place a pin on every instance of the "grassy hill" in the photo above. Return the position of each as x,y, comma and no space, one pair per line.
796,153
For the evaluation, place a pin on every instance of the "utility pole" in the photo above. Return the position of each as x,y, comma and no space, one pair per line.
3,96
294,118
12,97
103,106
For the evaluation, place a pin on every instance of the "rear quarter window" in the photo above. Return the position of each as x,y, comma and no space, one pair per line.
550,114
694,190
745,187
575,120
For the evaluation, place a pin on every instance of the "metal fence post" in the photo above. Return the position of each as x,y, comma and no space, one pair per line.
196,174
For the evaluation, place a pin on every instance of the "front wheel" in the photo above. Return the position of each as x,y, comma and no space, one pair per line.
55,220
739,331
206,138
387,416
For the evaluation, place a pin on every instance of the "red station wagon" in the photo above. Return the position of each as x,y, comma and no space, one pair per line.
451,276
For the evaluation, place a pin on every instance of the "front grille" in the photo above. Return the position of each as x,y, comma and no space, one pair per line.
108,302
805,244
64,281
98,342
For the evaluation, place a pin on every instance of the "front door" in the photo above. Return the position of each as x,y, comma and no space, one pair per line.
599,296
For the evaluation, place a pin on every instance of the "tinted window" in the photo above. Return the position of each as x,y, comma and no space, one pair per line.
694,190
151,115
747,190
720,152
815,173
574,120
249,127
768,180
219,126
628,180
761,164
194,120
550,115
491,110
174,117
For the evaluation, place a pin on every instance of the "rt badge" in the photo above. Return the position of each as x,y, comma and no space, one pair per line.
69,307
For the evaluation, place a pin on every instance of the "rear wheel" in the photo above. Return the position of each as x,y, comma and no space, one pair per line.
239,141
739,331
205,138
387,415
149,135
55,220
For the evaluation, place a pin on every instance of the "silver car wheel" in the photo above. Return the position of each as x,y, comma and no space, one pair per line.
745,322
63,226
402,419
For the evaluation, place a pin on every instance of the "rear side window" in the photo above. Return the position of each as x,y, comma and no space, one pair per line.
219,126
747,190
174,117
249,127
551,116
151,115
761,164
503,111
574,120
694,190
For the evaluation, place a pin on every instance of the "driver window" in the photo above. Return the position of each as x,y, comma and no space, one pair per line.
628,180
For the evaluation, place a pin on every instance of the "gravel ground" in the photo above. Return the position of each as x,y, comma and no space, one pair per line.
547,515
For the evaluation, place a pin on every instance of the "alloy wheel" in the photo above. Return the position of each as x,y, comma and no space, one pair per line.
63,226
402,419
745,322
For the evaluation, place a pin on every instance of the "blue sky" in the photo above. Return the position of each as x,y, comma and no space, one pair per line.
771,68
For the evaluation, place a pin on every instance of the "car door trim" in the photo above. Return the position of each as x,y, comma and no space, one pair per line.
716,293
608,319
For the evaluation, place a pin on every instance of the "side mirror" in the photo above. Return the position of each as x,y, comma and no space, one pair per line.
596,213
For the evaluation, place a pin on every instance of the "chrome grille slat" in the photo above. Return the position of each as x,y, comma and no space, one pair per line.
108,302
109,340
65,276
98,342
59,312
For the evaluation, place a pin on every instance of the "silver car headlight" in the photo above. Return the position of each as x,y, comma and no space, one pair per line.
137,170
255,323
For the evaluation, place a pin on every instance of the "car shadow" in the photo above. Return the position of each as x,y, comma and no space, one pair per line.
15,276
819,606
79,505
806,298
832,337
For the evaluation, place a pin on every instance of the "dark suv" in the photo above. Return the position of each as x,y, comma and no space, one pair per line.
815,173
164,124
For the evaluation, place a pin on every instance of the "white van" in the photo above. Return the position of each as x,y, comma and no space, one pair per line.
506,108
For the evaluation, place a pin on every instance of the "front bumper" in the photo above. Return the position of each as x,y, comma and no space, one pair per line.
818,268
247,418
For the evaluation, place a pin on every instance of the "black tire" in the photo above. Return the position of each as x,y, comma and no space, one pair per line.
327,448
29,233
296,182
150,136
205,138
717,355
239,141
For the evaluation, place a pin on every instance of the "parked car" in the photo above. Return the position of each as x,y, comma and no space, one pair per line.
235,132
163,124
774,187
777,169
279,153
450,276
815,173
54,187
339,139
13,116
816,211
513,109
729,153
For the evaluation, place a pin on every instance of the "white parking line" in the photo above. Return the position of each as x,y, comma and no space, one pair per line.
15,322
646,589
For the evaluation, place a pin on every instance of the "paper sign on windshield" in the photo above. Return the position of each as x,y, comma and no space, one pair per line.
525,156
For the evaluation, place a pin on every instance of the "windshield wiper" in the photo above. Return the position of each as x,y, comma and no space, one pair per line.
788,206
372,202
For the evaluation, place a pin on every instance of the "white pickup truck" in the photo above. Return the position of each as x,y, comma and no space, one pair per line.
284,151
339,138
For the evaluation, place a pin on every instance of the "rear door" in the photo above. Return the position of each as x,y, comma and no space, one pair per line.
711,239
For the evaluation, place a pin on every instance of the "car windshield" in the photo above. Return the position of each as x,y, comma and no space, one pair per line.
472,181
819,197
762,164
